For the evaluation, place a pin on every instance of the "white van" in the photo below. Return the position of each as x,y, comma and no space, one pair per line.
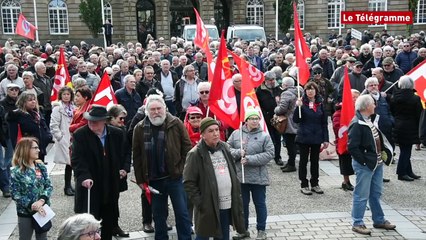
188,33
249,33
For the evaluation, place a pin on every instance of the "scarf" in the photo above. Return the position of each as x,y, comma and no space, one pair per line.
154,142
194,133
35,115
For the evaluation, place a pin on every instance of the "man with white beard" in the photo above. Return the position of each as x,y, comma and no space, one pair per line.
160,145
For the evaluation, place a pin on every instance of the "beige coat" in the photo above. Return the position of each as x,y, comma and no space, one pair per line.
59,127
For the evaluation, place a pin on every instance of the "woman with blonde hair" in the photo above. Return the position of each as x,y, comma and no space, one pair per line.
30,187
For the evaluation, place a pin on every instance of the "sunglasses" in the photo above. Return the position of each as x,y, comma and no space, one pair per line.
195,117
14,89
204,92
317,73
386,65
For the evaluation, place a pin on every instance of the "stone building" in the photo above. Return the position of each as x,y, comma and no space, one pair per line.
134,19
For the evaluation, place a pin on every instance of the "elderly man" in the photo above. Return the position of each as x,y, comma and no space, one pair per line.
279,61
212,185
160,145
390,71
374,62
129,98
11,77
200,66
356,78
118,78
405,58
92,80
253,59
369,149
383,85
421,57
72,65
147,82
45,84
326,64
182,63
96,163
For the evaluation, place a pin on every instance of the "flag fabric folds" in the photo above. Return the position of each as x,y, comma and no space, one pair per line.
302,50
104,95
255,75
62,77
347,113
201,40
418,74
24,28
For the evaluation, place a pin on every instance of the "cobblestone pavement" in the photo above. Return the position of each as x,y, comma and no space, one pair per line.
291,215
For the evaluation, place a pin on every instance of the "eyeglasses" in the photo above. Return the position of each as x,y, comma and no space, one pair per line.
92,234
253,119
317,73
373,85
194,117
359,66
204,92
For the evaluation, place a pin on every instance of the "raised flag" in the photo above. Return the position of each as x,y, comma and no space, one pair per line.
222,100
418,74
62,77
104,94
24,28
347,113
255,75
201,40
302,50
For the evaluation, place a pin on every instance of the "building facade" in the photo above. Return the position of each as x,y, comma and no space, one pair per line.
58,20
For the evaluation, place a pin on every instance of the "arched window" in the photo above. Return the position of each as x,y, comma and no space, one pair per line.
334,9
377,5
254,12
10,10
420,15
301,13
108,12
58,17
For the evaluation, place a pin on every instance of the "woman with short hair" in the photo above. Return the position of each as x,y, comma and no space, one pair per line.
80,227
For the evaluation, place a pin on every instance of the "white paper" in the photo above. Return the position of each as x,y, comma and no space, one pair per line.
43,220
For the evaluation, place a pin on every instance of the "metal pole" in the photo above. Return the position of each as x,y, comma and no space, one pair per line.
276,20
340,18
35,18
103,22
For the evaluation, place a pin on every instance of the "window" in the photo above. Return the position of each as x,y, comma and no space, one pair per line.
254,12
334,9
301,13
108,12
58,17
377,5
420,14
10,10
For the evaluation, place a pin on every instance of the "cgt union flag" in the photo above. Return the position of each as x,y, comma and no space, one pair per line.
24,28
302,50
348,112
255,75
62,77
201,40
104,95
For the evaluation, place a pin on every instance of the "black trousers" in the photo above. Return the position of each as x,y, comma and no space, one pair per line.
146,210
309,152
276,139
108,39
290,144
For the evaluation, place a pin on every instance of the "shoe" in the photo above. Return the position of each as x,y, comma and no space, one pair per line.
317,190
386,180
405,178
118,232
361,229
306,191
68,191
6,194
169,227
148,228
241,235
347,187
261,235
414,176
279,162
289,168
386,225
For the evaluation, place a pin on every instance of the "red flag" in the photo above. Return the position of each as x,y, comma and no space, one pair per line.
104,95
222,101
420,86
255,75
24,28
147,191
348,112
19,135
418,74
302,50
201,40
248,95
62,77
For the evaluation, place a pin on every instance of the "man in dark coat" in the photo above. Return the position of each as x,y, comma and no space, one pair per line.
96,163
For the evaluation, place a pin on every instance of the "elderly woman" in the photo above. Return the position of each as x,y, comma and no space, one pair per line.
186,91
28,78
286,107
312,135
192,123
256,152
80,227
406,107
369,149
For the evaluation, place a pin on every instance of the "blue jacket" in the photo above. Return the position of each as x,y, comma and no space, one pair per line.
405,60
131,102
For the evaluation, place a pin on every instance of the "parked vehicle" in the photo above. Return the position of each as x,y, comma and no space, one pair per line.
188,33
249,33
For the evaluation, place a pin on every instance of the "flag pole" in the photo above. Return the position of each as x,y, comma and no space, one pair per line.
208,111
391,86
298,92
35,18
103,22
241,141
276,20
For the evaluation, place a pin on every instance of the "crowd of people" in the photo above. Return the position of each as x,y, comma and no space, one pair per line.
162,126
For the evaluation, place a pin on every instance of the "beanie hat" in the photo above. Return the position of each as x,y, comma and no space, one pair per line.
207,122
250,111
387,60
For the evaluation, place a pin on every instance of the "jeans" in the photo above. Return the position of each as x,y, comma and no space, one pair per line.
5,164
369,186
225,221
291,148
310,151
258,194
404,161
174,188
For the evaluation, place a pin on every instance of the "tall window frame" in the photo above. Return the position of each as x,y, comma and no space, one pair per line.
58,17
108,12
420,14
376,6
335,7
255,12
301,13
10,10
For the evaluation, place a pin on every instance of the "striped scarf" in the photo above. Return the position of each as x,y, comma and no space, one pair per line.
154,142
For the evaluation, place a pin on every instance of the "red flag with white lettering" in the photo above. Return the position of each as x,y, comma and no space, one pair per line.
62,77
201,40
348,112
24,28
222,100
302,50
255,75
104,95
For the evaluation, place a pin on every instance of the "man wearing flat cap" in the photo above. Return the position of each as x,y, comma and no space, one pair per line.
95,160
